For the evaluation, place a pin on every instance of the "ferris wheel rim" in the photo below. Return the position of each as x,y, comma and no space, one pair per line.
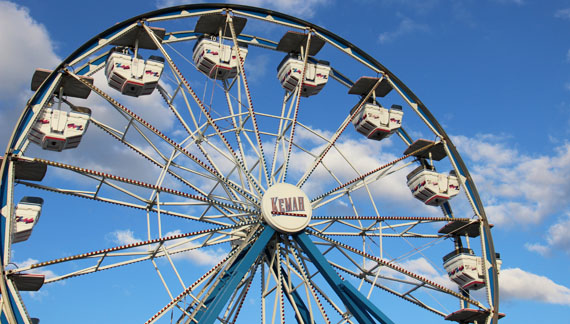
164,12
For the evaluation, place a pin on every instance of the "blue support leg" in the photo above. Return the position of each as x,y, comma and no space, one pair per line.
220,284
368,305
358,305
230,280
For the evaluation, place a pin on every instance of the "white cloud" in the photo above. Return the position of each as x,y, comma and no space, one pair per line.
203,256
557,239
18,61
562,13
504,212
558,235
486,148
519,284
514,283
420,265
303,8
406,26
21,58
538,248
424,268
517,188
124,237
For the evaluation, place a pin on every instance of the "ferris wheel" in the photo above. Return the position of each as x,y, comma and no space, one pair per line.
225,163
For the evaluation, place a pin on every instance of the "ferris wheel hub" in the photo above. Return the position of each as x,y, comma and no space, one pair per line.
286,208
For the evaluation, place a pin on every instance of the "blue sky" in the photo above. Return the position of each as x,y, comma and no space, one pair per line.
495,73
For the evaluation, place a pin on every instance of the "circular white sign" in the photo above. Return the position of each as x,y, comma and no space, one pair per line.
286,208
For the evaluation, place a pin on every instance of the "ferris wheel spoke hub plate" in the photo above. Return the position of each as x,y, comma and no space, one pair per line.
286,208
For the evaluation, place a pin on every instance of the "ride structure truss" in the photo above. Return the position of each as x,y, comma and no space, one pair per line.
261,191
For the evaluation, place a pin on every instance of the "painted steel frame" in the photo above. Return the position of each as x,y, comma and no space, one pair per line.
225,287
359,306
12,309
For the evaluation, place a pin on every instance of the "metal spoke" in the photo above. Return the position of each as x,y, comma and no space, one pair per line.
117,105
335,137
392,291
372,172
155,249
170,170
94,196
174,302
358,230
307,282
197,137
284,124
198,199
211,122
249,101
338,245
298,101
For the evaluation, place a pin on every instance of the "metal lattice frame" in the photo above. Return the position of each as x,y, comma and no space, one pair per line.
194,183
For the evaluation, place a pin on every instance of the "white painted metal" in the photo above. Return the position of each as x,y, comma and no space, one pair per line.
131,75
290,71
217,60
431,187
27,215
57,130
466,269
377,122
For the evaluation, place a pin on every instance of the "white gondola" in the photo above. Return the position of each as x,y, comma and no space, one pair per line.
466,269
217,60
27,215
57,130
376,122
431,187
130,75
316,74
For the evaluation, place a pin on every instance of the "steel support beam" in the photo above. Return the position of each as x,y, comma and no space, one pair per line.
227,285
358,305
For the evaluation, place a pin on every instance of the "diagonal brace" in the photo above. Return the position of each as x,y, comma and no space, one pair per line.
226,286
358,305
